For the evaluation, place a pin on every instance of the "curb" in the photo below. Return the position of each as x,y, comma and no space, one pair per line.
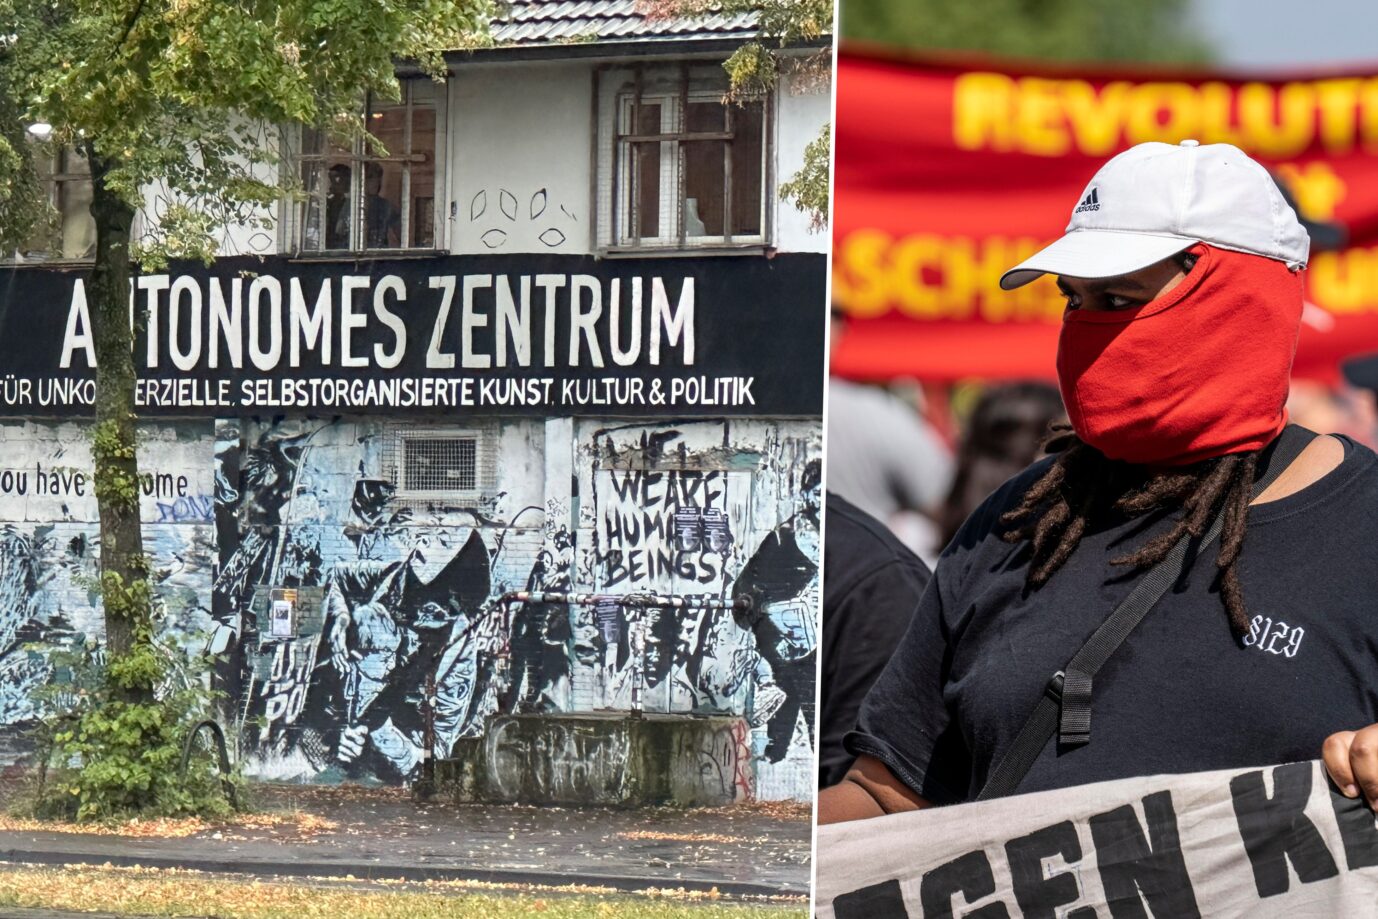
373,872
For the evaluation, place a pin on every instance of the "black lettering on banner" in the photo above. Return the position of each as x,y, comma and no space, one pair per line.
1039,894
879,901
1131,864
1277,829
969,876
1358,830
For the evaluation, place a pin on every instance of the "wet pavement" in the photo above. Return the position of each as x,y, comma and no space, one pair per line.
339,831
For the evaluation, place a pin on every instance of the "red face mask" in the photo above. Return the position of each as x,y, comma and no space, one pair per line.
1198,373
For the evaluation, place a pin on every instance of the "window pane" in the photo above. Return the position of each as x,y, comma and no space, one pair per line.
330,179
388,123
704,173
339,215
382,204
311,177
747,169
422,91
312,142
646,161
73,163
78,226
422,208
44,238
706,117
703,188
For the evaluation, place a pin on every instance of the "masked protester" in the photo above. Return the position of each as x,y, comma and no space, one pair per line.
1182,273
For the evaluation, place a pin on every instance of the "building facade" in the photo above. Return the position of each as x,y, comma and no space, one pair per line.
518,420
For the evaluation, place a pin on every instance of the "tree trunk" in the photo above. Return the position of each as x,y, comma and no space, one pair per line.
125,591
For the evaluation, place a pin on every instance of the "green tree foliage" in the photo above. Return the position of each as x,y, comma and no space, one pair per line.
1060,30
188,94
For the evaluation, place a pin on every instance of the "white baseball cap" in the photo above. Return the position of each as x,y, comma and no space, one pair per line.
1154,200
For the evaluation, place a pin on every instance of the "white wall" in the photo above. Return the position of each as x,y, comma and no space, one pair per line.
802,110
519,169
519,158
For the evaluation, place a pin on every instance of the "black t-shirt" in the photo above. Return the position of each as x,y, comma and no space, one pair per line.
1182,694
871,585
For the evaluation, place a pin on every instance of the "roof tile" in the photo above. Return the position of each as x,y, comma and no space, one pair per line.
544,22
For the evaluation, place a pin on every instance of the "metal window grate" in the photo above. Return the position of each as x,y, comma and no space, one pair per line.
439,464
434,466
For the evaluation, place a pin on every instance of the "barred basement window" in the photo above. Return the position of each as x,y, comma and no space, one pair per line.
439,464
430,464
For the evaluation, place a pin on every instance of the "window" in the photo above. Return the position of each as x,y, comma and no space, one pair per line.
356,200
438,464
69,231
689,169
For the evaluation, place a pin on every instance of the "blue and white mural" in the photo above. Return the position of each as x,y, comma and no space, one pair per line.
399,636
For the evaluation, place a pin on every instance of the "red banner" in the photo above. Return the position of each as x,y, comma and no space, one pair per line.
948,175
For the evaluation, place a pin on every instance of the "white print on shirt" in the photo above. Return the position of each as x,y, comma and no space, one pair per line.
1274,637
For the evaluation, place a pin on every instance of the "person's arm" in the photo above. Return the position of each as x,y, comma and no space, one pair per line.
868,790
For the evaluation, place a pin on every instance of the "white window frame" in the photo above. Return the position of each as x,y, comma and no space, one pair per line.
672,233
295,213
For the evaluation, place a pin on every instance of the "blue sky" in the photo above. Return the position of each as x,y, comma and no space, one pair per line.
1270,33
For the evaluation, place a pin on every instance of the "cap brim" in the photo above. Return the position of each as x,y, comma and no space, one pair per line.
1095,254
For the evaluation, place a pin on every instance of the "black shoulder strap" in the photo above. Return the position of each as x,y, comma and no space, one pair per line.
1065,707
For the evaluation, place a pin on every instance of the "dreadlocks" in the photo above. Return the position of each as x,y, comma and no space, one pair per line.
1054,512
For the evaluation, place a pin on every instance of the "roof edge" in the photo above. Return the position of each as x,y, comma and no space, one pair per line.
614,49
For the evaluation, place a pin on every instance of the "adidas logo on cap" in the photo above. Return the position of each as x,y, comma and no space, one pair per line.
1089,203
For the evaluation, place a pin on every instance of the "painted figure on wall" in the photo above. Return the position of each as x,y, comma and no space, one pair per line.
782,578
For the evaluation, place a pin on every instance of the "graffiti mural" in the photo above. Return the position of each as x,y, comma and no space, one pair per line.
50,545
368,588
714,510
398,635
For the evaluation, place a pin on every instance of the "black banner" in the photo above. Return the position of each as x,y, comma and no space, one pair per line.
503,334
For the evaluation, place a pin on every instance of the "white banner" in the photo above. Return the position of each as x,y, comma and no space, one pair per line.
1274,841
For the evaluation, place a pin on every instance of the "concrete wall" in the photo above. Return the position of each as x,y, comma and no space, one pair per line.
396,592
604,759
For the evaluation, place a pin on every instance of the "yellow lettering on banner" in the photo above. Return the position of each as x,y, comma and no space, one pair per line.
1345,282
1277,123
982,104
973,273
1216,101
913,294
1176,101
1039,122
861,279
1095,117
927,277
1316,187
1045,117
1338,101
1368,114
